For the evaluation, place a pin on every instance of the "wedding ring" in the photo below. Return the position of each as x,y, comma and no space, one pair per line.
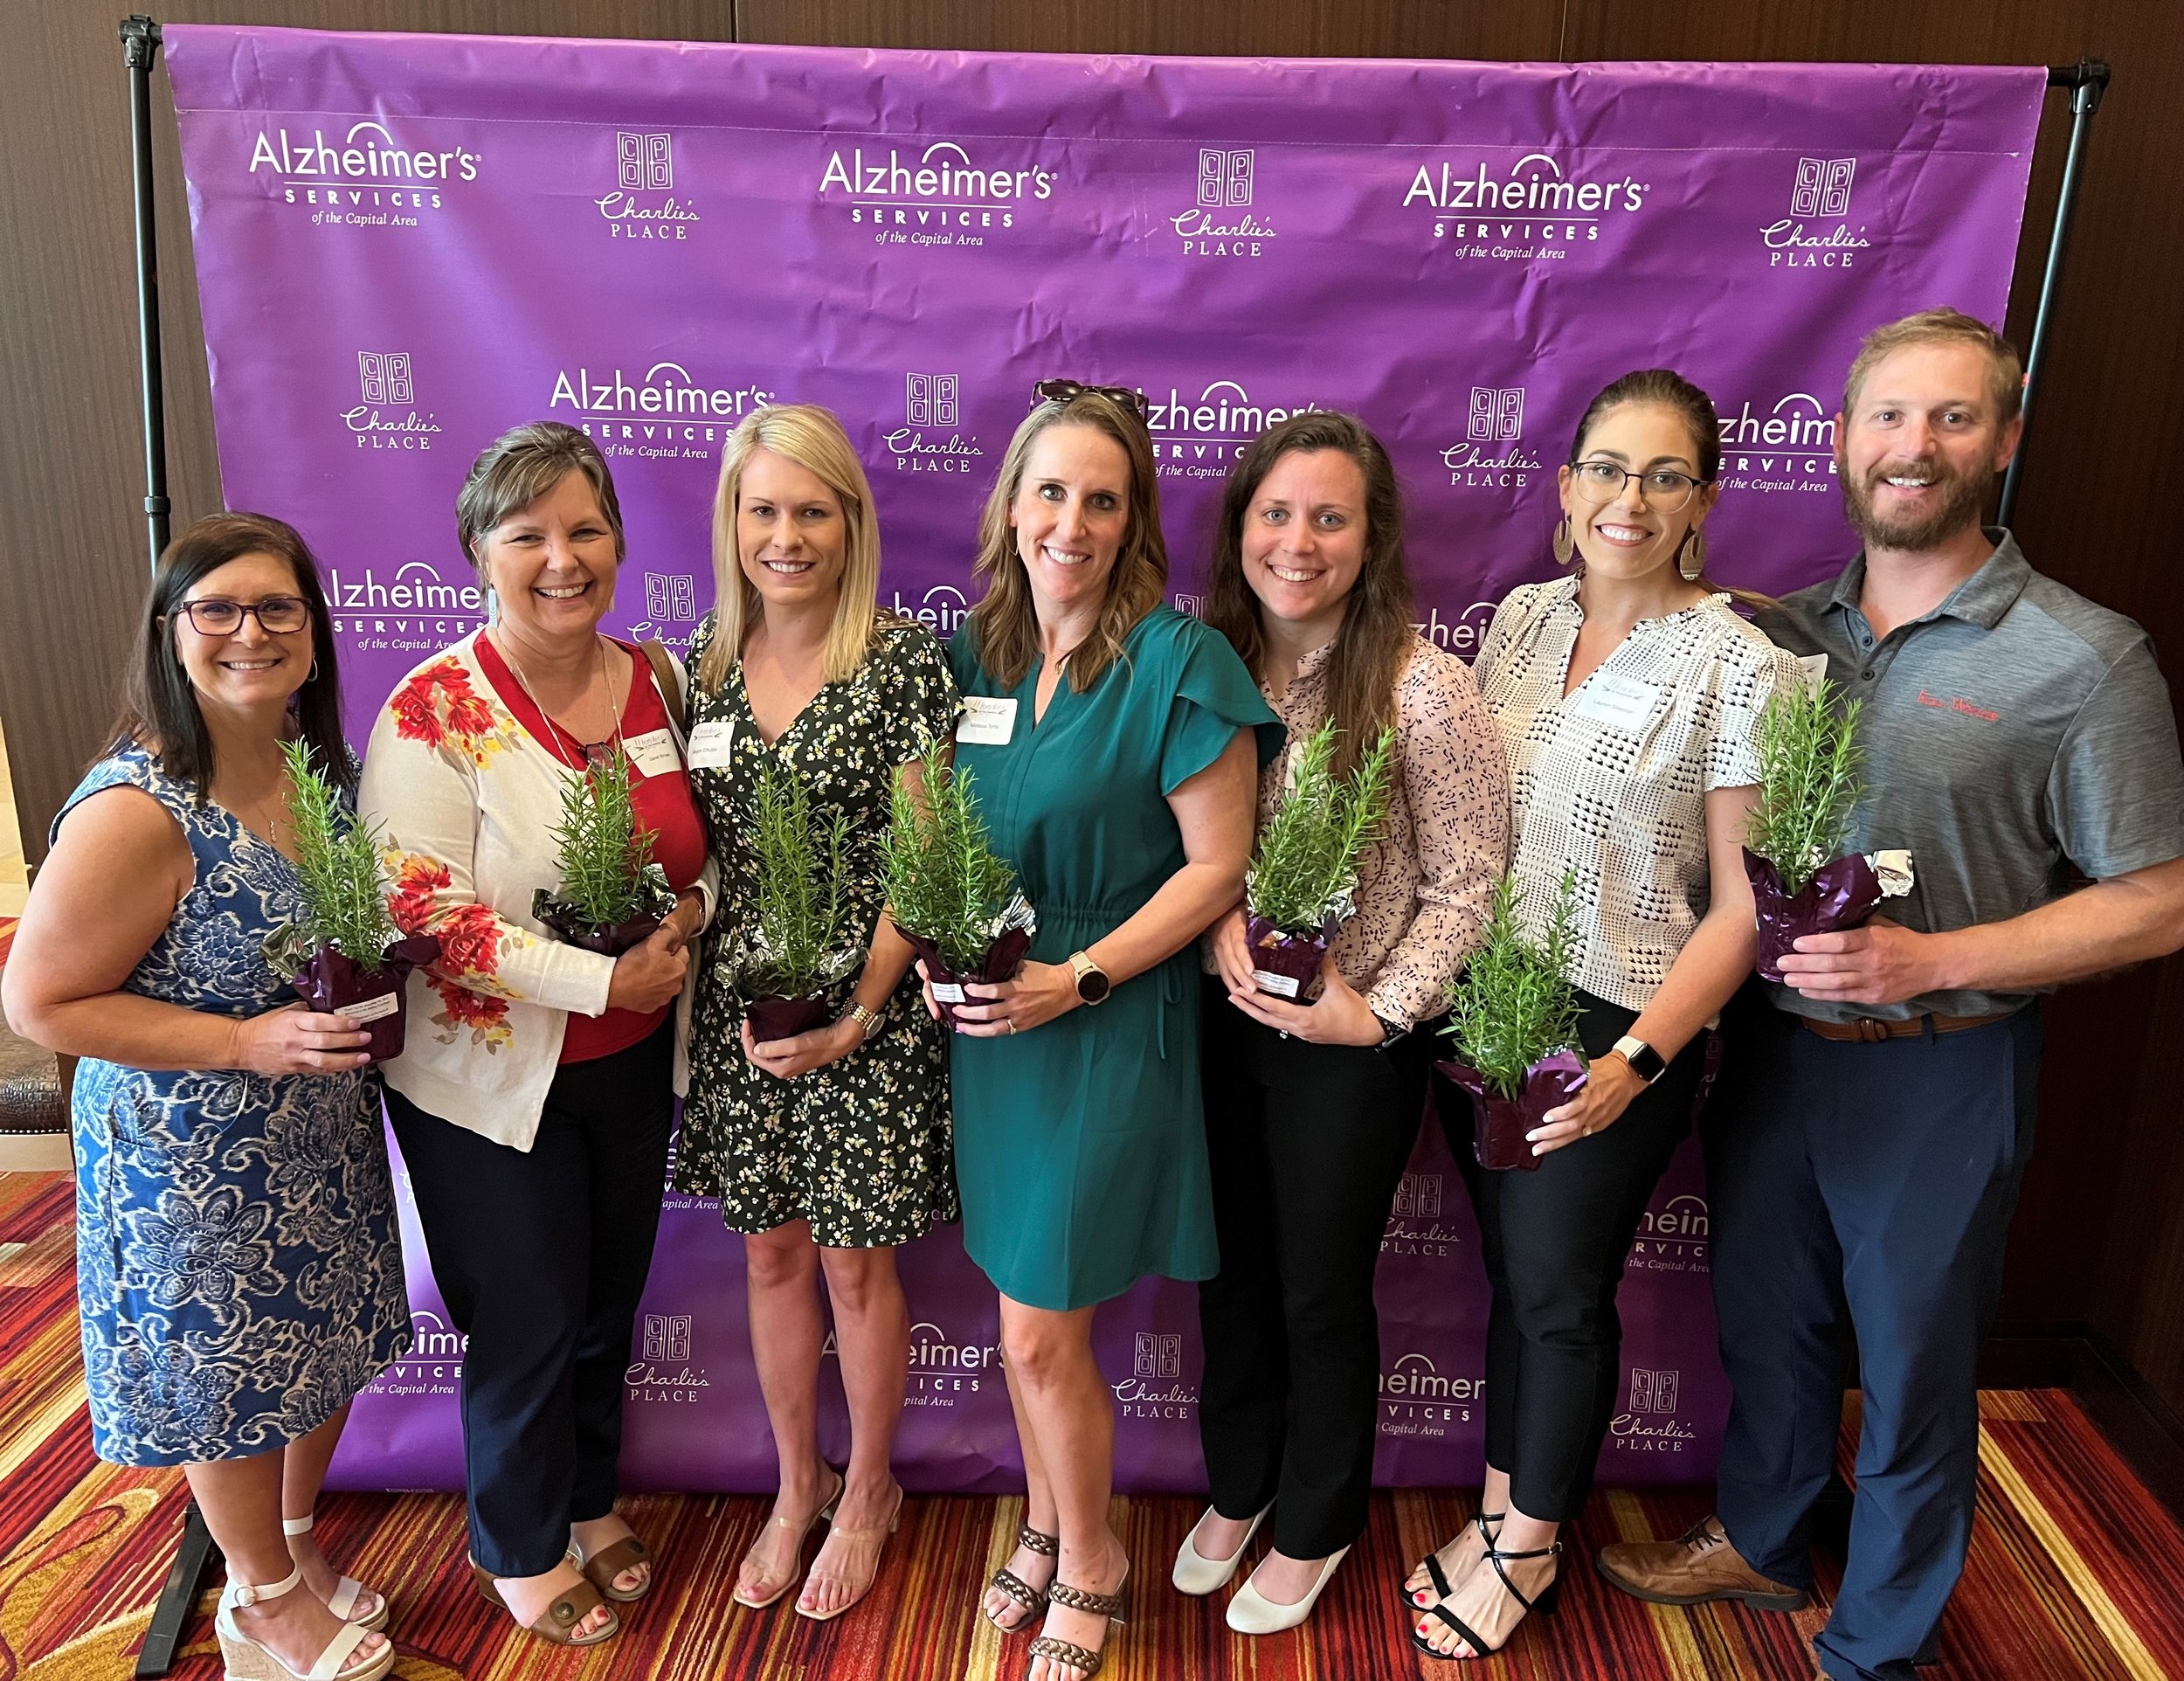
1011,1020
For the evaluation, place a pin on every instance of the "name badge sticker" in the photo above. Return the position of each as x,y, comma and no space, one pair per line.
709,744
1619,701
988,720
653,753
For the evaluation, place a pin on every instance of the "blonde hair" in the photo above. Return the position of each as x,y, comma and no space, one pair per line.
2006,374
517,468
813,439
1005,620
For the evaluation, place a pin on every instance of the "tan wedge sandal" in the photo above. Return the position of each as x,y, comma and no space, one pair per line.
246,1660
348,1590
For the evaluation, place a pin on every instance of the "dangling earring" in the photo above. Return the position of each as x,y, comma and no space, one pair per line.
1565,544
1690,557
312,676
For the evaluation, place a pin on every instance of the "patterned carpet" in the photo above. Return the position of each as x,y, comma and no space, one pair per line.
2074,1572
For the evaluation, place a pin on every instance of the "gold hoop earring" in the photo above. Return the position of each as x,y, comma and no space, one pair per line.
1565,544
1690,555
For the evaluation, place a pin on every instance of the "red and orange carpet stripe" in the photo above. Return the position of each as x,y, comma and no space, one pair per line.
2075,1570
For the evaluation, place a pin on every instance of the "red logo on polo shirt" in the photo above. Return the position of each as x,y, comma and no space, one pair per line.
1958,703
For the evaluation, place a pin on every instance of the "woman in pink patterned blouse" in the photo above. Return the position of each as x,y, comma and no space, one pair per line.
1312,1106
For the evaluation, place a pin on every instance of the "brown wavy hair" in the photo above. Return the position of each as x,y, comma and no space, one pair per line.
1005,621
1376,635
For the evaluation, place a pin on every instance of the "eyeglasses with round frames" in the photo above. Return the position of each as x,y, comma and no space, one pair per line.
215,615
1602,481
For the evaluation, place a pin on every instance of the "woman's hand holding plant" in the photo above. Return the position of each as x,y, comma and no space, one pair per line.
651,974
1610,1085
786,1058
1039,993
292,1040
1338,1016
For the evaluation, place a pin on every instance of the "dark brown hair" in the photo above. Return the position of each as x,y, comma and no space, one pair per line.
1376,635
1005,622
159,707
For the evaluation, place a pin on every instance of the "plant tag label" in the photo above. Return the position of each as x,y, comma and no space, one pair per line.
988,720
947,991
1815,666
371,1009
653,753
1279,985
709,744
1620,702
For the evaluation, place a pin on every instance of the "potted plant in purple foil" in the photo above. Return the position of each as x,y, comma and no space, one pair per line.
954,898
342,954
1513,1020
613,895
1304,870
796,946
1803,881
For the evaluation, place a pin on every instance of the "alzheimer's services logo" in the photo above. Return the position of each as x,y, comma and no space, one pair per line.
1198,438
641,207
1221,222
369,177
386,417
1788,443
412,609
663,1372
1674,1237
942,1369
1491,455
932,402
668,413
1155,1388
434,1364
945,195
1820,194
941,609
1537,211
1418,1398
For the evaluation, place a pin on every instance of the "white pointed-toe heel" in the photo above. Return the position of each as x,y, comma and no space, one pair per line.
1197,1574
348,1590
1252,1613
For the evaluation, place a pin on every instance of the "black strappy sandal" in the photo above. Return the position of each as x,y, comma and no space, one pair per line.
1431,1563
1550,1596
1033,1601
1099,1605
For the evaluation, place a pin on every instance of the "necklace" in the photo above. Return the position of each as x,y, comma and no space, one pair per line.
554,732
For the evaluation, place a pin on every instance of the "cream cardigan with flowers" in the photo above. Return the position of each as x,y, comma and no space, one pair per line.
467,801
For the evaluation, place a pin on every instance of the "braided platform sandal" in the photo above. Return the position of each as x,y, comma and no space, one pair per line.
1414,1594
1031,1599
348,1590
1081,1658
1550,1596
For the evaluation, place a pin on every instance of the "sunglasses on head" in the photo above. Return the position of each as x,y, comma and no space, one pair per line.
1066,391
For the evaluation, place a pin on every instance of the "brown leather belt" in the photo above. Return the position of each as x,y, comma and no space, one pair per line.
1871,1030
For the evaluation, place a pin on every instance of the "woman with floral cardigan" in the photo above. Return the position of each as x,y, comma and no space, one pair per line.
533,1109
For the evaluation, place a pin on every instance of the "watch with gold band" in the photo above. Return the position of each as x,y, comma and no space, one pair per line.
1093,985
867,1021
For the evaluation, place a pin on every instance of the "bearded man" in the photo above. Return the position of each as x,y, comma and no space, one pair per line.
1874,1116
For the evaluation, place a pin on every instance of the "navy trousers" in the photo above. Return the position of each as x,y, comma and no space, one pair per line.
1862,1196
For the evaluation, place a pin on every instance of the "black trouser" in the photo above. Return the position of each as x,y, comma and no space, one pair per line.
1554,1241
541,1256
1307,1144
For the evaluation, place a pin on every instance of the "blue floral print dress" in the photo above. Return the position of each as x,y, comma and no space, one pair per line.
237,1262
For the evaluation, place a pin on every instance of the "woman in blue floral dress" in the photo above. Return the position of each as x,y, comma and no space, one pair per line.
237,1268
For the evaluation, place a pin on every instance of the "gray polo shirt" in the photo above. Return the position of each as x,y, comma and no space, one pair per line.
2014,735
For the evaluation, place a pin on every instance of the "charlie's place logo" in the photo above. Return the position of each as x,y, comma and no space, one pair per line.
1492,455
941,609
1418,1398
1198,438
665,415
1786,445
670,598
1648,1424
1462,635
384,382
368,178
1221,224
1194,604
663,1371
932,402
645,167
1155,1388
1415,1225
1534,211
937,198
1820,192
1418,1195
434,1364
1673,1237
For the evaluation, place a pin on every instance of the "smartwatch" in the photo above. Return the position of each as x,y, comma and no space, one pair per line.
1093,985
1390,1034
1645,1061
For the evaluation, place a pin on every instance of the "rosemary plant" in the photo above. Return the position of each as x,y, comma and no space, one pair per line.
1809,765
337,865
603,856
1516,1003
1307,861
944,881
803,870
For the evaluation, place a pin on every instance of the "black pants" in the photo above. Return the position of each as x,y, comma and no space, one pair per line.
1554,1241
1307,1146
1863,1187
541,1258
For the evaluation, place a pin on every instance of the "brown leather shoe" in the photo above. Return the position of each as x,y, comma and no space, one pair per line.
1698,1567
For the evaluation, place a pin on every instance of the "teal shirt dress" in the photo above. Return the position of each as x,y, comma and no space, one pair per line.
1080,1144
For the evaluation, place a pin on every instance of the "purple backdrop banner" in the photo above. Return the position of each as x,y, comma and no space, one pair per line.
406,244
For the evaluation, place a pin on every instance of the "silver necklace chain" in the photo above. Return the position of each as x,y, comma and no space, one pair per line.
555,730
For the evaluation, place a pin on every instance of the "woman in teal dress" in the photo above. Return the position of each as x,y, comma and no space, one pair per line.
1115,745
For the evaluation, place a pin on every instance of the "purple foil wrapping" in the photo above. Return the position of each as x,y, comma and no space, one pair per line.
589,937
331,982
1842,893
774,1018
1003,959
1295,956
1499,1123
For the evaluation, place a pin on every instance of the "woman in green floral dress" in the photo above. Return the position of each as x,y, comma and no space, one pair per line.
827,1149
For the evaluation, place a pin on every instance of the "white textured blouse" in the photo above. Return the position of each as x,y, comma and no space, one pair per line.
1609,783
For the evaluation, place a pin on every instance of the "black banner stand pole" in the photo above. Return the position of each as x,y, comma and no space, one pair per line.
2087,79
140,46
